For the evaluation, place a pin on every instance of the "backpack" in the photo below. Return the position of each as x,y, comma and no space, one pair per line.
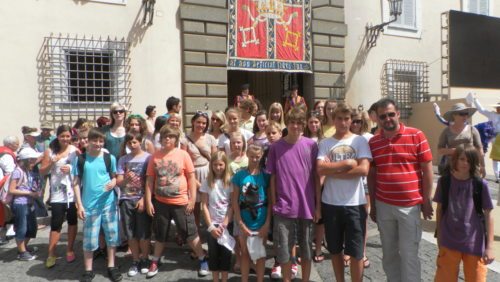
445,183
80,165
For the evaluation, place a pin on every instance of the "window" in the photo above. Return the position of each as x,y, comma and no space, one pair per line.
407,82
482,7
89,75
408,23
81,77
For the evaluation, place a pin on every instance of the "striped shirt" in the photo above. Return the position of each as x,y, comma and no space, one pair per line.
397,162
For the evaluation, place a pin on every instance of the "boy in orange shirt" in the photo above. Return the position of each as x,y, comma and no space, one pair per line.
170,174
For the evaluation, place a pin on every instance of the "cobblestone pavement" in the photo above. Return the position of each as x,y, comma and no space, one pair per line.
177,265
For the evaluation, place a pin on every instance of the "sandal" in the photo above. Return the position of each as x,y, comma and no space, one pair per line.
319,258
366,262
70,257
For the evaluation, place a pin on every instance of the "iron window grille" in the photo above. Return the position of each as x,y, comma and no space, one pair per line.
81,77
407,82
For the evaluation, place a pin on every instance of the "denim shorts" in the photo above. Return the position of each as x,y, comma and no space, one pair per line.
24,221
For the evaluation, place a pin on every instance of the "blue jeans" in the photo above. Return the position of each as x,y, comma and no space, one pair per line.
24,221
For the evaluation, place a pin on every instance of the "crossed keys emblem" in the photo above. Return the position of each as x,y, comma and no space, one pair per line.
269,9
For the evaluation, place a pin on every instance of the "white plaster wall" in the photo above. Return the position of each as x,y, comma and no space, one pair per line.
154,53
363,68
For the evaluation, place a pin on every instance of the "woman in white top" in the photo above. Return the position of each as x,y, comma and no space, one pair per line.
57,161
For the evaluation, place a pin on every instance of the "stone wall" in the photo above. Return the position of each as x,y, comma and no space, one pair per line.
204,49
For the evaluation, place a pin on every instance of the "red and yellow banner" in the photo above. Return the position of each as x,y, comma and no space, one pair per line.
270,35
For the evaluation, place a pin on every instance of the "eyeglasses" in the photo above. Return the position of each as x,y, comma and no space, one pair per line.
384,116
463,114
215,120
356,121
118,112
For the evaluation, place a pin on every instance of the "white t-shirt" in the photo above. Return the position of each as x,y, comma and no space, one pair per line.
7,165
344,192
61,190
219,199
224,140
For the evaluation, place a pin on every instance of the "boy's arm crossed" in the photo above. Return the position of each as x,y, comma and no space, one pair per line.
362,168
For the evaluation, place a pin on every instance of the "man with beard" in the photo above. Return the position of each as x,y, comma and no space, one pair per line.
400,184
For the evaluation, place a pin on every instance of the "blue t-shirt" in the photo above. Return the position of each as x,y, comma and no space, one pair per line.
253,197
95,177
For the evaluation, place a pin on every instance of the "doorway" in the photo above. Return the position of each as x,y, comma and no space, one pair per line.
268,87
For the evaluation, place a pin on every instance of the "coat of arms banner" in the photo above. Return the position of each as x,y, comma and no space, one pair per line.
270,35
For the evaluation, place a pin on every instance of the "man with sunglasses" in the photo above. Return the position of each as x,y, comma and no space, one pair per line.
400,184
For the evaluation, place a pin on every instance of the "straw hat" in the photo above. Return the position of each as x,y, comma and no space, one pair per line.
458,108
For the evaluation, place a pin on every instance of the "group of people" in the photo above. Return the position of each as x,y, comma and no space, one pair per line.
295,177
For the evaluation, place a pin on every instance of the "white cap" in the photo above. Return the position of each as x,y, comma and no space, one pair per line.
28,153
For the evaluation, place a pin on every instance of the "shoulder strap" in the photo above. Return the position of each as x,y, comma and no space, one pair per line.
477,196
445,182
107,162
80,165
202,153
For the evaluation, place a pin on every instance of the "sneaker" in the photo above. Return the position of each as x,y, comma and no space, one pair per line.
114,274
276,271
88,276
50,262
144,265
134,269
295,270
26,256
203,271
153,269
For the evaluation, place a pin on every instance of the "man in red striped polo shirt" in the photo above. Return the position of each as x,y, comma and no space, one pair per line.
400,184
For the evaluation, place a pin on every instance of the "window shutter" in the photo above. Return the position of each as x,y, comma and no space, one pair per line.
408,14
483,8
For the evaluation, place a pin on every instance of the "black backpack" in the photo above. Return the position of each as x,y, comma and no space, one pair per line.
445,183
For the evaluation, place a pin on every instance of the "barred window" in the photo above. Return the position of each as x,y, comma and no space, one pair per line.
406,82
82,77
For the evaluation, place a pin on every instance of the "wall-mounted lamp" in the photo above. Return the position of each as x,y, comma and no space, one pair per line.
149,11
372,32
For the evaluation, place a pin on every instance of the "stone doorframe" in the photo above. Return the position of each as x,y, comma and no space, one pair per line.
204,49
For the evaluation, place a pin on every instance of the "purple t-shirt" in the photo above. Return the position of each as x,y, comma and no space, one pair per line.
26,182
294,166
460,227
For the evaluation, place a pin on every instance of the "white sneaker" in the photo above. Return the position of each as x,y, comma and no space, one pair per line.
276,271
295,270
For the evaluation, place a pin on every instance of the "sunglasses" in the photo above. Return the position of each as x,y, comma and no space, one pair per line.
463,114
356,121
118,112
384,116
215,119
200,113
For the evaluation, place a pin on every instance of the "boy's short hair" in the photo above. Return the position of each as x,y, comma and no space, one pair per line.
274,124
172,102
95,133
342,108
385,102
248,105
167,130
297,115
